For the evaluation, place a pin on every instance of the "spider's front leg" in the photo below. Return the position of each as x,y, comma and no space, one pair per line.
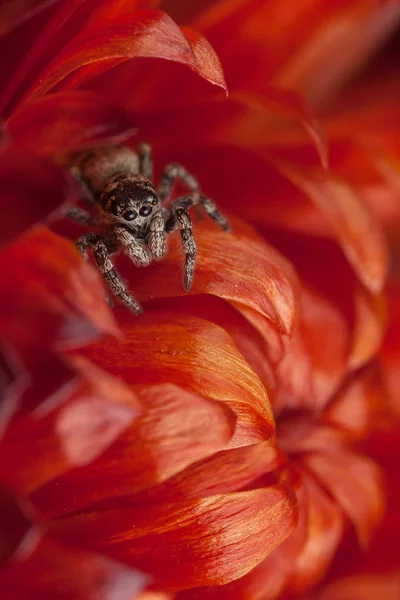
118,288
180,218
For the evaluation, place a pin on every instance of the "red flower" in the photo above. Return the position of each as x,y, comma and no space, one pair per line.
216,442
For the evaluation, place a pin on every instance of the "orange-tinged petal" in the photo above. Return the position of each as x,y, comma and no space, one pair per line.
59,123
142,34
198,542
361,407
49,295
96,410
324,531
355,482
177,428
222,269
311,370
369,327
54,572
32,188
225,471
198,355
357,231
267,580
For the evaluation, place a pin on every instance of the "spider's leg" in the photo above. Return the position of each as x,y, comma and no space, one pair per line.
213,212
117,287
86,193
145,161
170,174
87,241
208,205
79,215
158,237
180,218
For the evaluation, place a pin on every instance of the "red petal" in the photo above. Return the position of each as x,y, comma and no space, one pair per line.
361,407
355,482
52,572
177,429
369,327
222,270
226,471
324,533
31,189
68,121
48,294
362,587
144,33
199,542
17,532
357,231
97,409
212,367
310,370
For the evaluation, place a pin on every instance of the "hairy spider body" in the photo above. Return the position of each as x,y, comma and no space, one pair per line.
128,212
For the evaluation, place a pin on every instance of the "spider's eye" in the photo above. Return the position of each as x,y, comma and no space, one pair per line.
130,215
145,210
154,201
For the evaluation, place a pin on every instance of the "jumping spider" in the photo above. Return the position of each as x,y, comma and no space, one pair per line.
131,215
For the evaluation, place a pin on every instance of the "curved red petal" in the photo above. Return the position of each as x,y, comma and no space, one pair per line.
224,472
66,121
31,188
152,352
357,231
49,295
222,270
362,406
96,409
54,572
369,326
176,429
141,34
324,531
199,542
356,483
310,371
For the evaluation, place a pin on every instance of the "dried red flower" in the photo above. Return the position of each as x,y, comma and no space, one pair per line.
209,443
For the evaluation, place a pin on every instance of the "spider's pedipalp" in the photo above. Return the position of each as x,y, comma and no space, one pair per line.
136,249
157,237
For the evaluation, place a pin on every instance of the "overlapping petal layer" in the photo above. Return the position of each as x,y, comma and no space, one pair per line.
159,448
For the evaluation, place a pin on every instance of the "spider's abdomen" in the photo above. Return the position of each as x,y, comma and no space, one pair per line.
99,165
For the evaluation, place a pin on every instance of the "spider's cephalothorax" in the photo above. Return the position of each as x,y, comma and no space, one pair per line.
128,213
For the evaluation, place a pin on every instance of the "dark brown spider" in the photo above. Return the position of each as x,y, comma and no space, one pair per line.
129,213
